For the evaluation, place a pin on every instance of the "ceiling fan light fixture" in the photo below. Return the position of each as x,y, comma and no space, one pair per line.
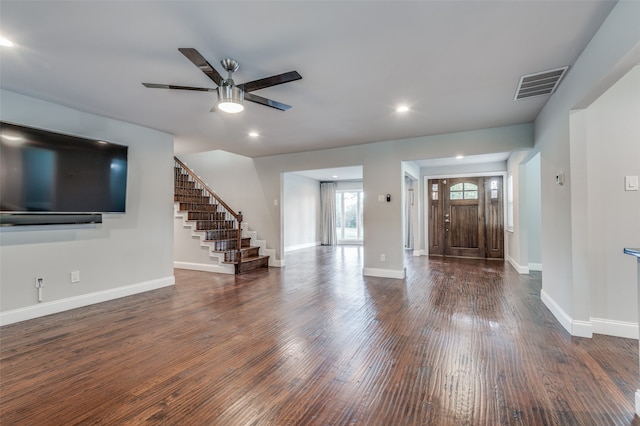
230,99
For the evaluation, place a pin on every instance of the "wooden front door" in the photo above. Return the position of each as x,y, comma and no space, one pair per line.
465,217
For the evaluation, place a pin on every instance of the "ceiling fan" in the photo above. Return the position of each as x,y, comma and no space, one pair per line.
230,95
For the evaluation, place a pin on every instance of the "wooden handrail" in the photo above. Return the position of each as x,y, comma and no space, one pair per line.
237,216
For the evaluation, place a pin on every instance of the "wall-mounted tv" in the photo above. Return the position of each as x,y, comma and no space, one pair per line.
43,172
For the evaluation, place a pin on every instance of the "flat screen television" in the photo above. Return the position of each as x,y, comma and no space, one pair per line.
43,172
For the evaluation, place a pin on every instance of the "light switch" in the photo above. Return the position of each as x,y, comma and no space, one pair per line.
631,183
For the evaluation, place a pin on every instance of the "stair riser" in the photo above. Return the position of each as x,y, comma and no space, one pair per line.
250,252
190,199
198,207
206,216
187,192
206,225
253,265
225,234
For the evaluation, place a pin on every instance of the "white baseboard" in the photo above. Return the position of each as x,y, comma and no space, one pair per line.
204,267
384,273
628,330
574,327
301,246
535,267
56,306
417,253
524,270
275,262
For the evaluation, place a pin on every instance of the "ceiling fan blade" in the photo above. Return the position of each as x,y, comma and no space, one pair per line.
171,86
267,102
270,81
199,61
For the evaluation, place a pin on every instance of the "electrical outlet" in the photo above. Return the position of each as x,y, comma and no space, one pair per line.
75,276
383,258
39,282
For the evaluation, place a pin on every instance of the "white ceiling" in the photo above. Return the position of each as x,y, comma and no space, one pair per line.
455,63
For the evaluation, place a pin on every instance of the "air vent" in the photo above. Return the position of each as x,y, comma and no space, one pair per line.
540,83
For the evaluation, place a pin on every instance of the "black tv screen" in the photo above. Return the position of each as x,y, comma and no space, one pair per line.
48,172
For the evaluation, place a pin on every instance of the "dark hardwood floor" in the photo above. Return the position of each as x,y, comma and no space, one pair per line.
458,342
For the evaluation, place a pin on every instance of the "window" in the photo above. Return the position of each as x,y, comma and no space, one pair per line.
463,191
510,202
494,189
349,216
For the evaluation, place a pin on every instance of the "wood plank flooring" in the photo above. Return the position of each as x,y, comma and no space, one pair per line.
458,342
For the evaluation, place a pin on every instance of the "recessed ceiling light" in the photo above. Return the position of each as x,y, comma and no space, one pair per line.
402,108
5,42
335,176
254,134
459,157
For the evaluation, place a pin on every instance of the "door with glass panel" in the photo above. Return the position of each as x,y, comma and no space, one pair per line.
349,205
466,217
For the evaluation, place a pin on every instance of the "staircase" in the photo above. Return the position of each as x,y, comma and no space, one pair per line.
220,227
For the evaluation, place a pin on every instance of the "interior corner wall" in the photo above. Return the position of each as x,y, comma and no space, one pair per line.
562,291
126,254
301,211
613,152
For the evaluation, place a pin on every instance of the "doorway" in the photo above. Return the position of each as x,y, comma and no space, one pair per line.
466,217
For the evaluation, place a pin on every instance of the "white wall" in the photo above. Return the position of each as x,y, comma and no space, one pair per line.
126,254
534,218
516,246
411,170
301,211
613,152
560,139
348,185
462,170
